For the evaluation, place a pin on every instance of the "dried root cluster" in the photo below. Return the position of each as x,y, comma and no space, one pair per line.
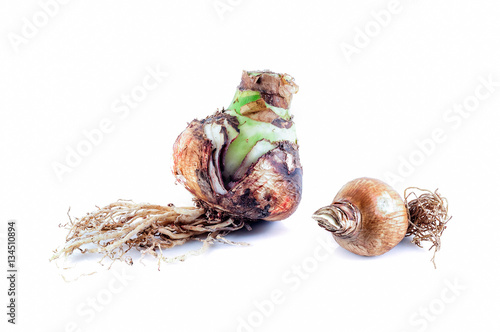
118,227
427,216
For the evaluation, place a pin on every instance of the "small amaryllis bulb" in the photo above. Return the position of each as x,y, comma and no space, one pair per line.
367,217
244,160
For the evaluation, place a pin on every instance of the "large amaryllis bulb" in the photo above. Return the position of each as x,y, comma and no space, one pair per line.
369,218
241,164
244,160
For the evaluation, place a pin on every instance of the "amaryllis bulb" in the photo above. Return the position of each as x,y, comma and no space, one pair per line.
241,164
244,160
369,218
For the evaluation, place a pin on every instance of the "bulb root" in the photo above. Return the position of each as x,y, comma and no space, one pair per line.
427,216
118,227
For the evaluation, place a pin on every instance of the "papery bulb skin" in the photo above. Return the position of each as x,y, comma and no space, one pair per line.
367,217
255,139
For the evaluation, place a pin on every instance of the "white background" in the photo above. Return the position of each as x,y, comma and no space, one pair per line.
361,114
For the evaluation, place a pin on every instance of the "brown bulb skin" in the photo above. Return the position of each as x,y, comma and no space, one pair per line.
271,189
383,218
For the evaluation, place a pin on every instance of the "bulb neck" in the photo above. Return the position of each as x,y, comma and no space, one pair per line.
276,89
342,219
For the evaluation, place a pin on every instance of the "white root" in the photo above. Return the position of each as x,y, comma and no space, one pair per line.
114,229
